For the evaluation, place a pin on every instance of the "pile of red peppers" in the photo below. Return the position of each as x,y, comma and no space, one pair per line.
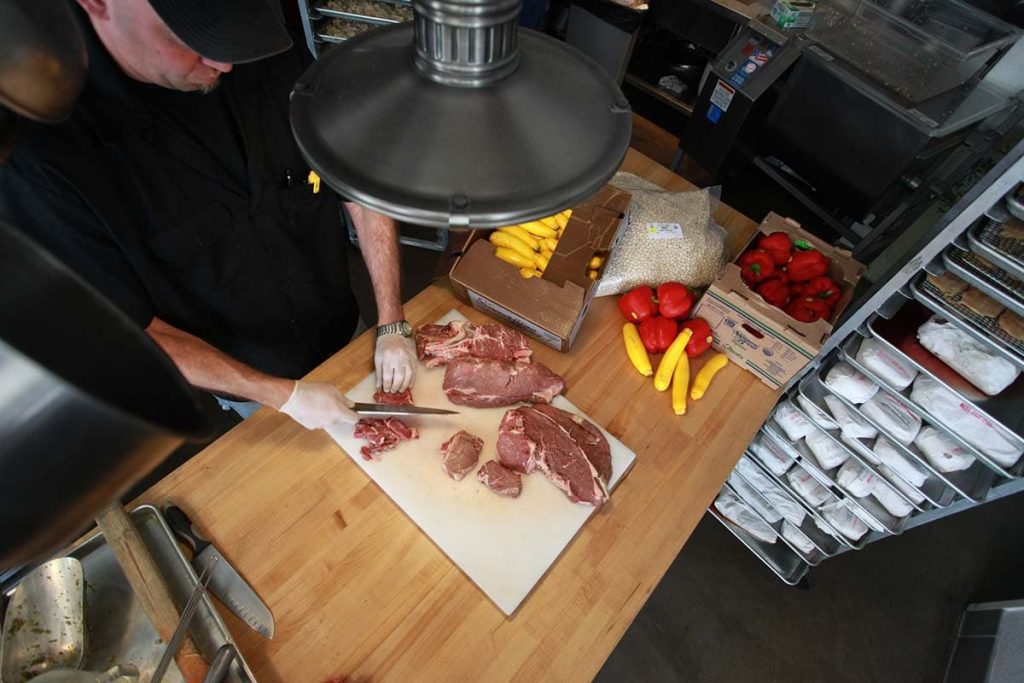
791,275
661,314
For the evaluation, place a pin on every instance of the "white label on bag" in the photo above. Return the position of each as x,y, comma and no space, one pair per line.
664,231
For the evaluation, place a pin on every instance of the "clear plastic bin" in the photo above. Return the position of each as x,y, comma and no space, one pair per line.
916,48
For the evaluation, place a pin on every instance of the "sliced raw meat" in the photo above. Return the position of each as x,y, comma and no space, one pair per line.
500,479
571,452
461,454
400,398
489,383
383,435
438,345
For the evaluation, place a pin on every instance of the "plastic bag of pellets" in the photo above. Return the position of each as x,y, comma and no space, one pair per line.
671,237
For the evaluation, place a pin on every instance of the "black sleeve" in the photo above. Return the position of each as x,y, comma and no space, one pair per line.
67,227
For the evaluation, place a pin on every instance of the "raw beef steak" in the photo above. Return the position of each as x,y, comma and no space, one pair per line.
400,398
440,344
571,452
500,479
383,435
488,383
461,454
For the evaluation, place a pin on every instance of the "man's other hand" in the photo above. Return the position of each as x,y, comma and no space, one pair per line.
395,362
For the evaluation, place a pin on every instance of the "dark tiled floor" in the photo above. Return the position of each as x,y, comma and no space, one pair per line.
885,613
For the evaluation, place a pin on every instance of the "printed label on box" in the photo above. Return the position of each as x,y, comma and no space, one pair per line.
664,231
722,95
498,311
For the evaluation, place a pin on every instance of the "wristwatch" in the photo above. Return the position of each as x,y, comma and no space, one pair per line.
401,327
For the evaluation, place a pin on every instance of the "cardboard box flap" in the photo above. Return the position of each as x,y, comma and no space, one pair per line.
592,229
542,302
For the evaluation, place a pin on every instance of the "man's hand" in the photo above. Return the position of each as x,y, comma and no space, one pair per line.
316,405
395,362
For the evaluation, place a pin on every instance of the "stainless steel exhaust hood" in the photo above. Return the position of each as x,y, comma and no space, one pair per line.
460,118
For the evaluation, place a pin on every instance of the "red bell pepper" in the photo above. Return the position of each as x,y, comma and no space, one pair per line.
778,246
701,339
755,266
657,333
807,309
774,291
638,304
806,265
823,288
674,300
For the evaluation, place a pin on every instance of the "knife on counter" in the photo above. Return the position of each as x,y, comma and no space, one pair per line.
384,409
225,581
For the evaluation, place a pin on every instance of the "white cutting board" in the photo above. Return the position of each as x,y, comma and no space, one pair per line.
504,545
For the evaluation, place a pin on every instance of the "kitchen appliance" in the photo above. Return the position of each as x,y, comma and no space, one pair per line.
460,118
878,96
225,581
503,545
88,403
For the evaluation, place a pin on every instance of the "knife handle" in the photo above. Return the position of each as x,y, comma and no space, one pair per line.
183,528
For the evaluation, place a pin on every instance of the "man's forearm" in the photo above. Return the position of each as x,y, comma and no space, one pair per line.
206,367
378,241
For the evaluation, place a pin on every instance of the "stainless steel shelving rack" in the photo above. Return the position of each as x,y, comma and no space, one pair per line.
959,232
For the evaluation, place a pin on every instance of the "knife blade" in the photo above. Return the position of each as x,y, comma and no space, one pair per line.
383,409
225,581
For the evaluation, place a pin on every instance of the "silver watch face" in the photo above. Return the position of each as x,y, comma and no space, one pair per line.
404,328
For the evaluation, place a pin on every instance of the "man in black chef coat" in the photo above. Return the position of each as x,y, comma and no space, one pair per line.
177,190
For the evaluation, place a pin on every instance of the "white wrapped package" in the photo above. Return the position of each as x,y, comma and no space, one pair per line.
860,448
799,540
852,424
885,365
808,487
894,504
844,521
942,452
893,416
978,364
752,498
817,415
909,471
866,518
769,456
792,421
826,451
737,512
779,499
904,488
856,479
843,379
965,421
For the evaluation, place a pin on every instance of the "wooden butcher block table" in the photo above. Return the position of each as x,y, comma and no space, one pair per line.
356,588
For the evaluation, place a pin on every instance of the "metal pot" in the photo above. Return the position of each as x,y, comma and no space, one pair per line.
88,403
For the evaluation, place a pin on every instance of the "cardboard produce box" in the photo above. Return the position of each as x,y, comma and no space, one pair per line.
549,308
760,337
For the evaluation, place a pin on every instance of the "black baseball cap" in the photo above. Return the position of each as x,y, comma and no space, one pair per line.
229,31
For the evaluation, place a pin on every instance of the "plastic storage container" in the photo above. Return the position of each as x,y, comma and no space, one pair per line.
916,48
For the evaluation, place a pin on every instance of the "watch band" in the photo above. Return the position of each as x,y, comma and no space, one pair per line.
401,327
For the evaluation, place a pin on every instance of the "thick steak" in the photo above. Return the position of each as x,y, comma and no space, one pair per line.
401,398
571,452
440,344
383,435
489,383
460,454
500,479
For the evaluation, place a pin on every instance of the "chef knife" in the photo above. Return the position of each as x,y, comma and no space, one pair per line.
225,581
383,409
